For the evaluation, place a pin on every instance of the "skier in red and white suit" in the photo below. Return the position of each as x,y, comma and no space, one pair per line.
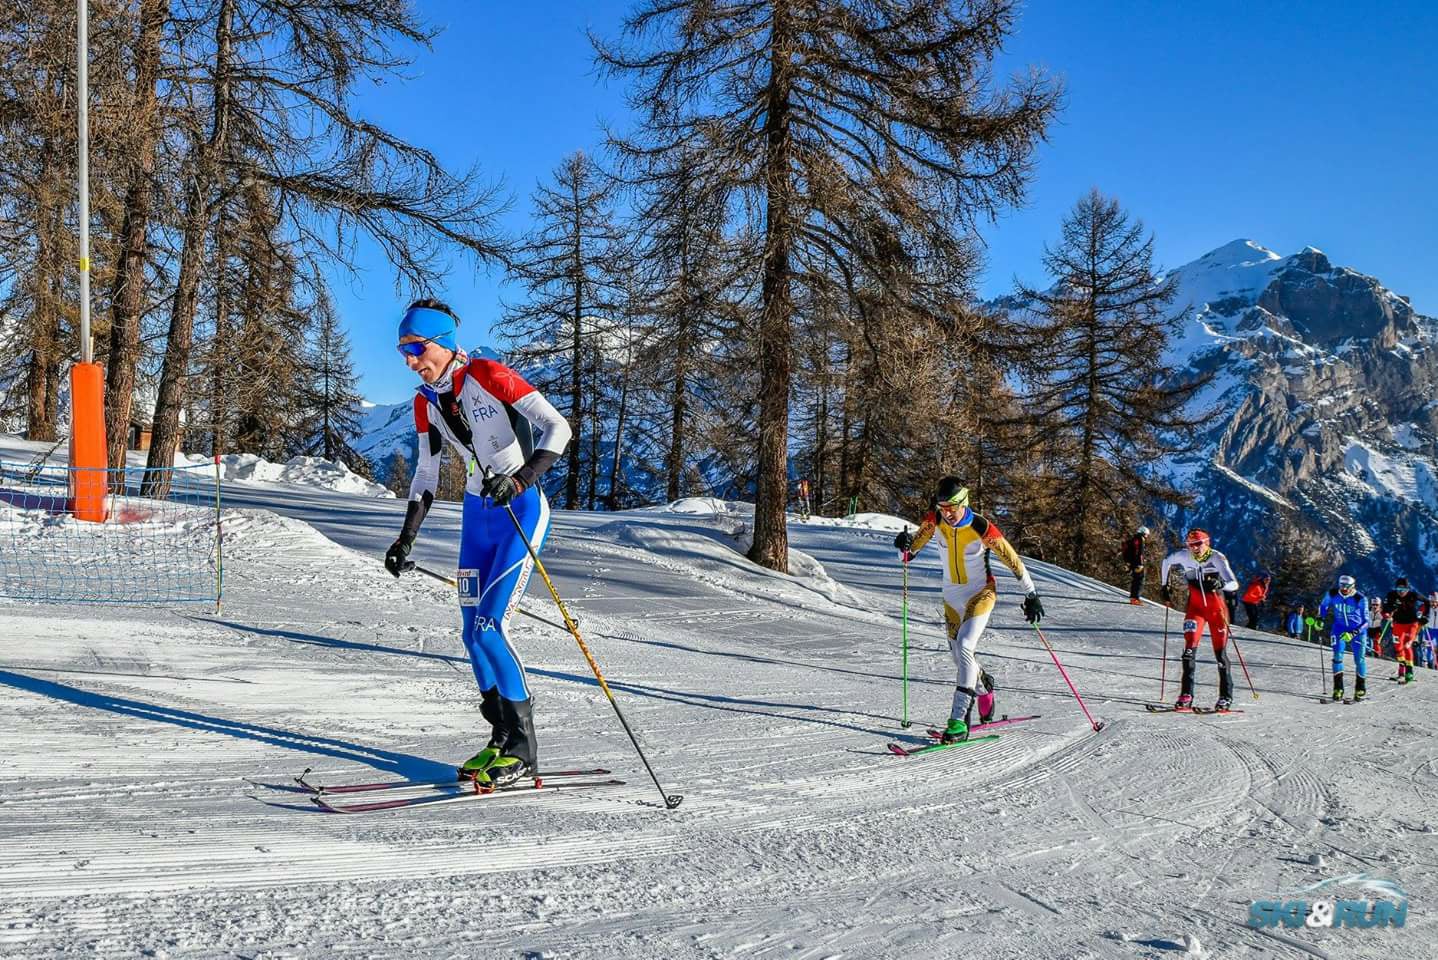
1209,577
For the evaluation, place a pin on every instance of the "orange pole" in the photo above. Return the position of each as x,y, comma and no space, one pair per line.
88,457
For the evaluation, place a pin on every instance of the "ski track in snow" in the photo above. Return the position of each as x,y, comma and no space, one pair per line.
147,806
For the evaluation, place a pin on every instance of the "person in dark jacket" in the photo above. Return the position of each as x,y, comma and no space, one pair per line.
1253,598
1408,612
1133,558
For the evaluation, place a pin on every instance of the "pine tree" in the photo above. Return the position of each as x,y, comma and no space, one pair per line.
818,119
1300,561
1103,404
571,269
333,393
397,475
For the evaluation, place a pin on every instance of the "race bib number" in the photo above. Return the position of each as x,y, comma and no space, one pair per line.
1190,625
468,581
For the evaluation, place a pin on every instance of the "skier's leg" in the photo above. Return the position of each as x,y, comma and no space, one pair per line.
1193,626
475,554
504,585
1338,646
1403,636
1218,633
988,696
1360,661
973,619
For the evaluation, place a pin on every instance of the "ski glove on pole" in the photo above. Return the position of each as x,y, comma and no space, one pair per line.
396,555
904,541
1033,608
501,488
1212,583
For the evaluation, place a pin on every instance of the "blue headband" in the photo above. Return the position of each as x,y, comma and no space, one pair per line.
429,324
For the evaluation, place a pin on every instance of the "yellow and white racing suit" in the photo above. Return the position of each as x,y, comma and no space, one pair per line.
969,588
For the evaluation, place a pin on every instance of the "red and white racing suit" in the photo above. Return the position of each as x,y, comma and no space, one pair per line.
1206,606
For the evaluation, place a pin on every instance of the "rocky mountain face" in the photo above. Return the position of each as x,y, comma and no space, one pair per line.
1328,383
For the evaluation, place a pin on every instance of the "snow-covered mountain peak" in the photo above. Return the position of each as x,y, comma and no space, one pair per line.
1238,253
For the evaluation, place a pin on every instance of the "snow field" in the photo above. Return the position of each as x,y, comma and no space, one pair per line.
146,757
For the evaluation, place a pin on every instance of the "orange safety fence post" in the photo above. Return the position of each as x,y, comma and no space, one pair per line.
88,454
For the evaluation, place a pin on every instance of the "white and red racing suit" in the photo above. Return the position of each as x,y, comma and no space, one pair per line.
1208,580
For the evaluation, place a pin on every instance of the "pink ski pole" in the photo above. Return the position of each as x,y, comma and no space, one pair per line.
1096,726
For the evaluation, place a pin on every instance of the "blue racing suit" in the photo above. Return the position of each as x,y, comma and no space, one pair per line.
502,428
1347,616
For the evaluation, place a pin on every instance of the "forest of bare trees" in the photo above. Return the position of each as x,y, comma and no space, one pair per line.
769,275
229,173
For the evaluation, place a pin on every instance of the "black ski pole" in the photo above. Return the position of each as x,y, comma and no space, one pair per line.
671,800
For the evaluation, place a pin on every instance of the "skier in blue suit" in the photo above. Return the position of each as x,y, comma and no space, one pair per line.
485,412
1346,613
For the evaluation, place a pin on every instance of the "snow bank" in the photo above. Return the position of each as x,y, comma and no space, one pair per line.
303,471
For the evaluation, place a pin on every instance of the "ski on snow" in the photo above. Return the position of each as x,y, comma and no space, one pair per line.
464,793
1005,720
323,788
1202,711
898,749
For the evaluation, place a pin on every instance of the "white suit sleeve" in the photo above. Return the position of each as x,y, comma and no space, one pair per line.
429,447
549,423
1230,582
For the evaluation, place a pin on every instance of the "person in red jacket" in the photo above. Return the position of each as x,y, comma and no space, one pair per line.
1133,559
1253,598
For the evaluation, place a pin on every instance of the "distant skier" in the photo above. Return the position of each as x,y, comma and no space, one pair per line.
479,407
1253,598
1209,577
1428,643
1295,623
970,592
1409,612
1378,623
1133,559
1345,611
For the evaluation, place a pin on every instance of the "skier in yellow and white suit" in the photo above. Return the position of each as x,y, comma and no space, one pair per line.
970,591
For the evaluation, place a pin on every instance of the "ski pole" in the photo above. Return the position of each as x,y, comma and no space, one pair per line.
1228,629
1234,640
1096,726
905,721
671,800
1163,668
411,565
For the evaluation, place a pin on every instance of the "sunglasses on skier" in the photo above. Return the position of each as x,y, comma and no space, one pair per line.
416,348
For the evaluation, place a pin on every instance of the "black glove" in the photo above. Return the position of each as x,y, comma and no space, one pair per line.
1166,593
1033,608
1423,621
396,555
904,541
1212,583
501,488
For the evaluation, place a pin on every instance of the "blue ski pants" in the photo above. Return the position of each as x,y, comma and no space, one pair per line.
494,568
1356,642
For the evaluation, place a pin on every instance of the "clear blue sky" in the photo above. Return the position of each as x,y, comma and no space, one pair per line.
1287,123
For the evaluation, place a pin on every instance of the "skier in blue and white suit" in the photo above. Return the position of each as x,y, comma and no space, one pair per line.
486,412
1346,613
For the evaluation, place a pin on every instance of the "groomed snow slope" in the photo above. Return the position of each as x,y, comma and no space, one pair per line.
146,757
